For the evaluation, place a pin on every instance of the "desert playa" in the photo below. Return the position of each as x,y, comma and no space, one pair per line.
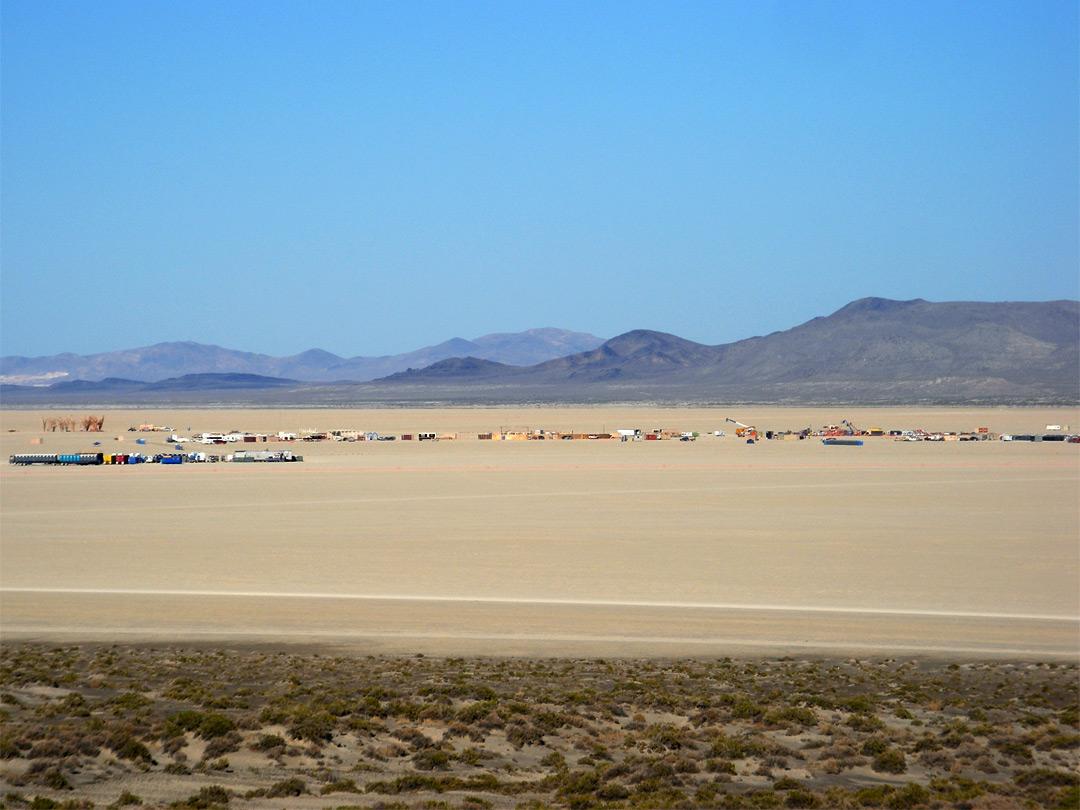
705,548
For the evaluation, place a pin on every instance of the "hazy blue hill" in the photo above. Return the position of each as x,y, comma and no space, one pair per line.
168,360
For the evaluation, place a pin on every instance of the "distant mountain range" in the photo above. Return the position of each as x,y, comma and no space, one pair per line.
167,360
873,350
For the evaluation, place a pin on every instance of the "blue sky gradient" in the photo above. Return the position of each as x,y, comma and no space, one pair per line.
372,177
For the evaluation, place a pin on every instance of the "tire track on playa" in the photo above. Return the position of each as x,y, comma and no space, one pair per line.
548,601
277,503
228,469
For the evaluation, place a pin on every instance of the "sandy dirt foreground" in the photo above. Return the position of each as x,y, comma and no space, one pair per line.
707,548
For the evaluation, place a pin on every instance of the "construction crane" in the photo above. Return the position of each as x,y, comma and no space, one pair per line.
851,429
749,431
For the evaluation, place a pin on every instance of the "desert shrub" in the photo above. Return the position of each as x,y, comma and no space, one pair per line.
476,711
873,796
288,787
273,716
266,742
873,747
1061,741
415,738
667,737
340,786
523,734
613,792
177,769
909,796
125,745
576,787
55,780
858,704
470,756
187,720
1045,777
431,760
800,715
71,744
189,690
889,761
555,760
129,700
730,748
126,798
215,725
173,745
865,722
802,798
720,766
207,798
746,709
1016,750
225,744
313,726
787,783
762,799
8,747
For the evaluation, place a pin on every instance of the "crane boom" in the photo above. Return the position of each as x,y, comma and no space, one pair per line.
744,430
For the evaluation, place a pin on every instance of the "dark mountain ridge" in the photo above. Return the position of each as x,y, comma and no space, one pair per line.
903,349
873,350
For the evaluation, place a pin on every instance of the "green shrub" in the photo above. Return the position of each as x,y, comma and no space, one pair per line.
124,744
340,786
431,760
613,792
187,720
207,798
316,727
215,725
865,722
288,787
802,798
55,780
872,747
907,797
1045,777
873,796
801,715
890,761
787,783
745,709
265,742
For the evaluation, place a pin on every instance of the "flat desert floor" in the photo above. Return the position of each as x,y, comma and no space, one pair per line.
704,548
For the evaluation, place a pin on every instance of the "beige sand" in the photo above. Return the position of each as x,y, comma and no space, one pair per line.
708,547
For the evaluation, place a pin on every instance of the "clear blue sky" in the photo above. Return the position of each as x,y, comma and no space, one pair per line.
372,177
